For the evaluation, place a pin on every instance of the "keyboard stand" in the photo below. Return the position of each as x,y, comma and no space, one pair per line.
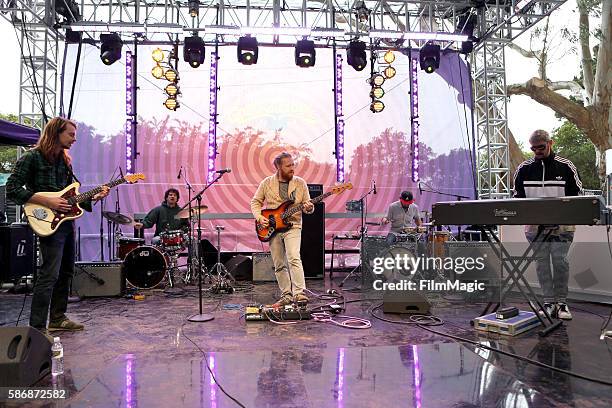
517,266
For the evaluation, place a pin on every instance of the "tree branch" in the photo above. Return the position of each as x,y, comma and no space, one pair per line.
585,49
602,89
566,85
538,90
525,53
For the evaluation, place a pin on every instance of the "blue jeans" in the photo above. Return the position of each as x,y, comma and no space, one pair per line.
53,281
554,283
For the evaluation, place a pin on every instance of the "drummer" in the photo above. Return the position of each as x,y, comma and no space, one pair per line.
403,215
164,216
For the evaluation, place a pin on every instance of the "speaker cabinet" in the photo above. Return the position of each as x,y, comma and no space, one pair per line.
25,356
16,252
312,250
240,267
98,279
263,267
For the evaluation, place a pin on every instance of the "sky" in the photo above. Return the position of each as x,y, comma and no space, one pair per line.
524,115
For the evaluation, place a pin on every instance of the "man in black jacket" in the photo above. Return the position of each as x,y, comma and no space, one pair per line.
549,175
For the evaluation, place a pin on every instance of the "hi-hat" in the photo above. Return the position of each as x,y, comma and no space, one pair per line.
184,213
117,218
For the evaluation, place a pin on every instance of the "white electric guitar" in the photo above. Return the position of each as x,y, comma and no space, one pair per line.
45,221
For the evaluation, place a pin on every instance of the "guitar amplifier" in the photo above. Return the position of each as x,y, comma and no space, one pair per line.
98,279
263,267
17,255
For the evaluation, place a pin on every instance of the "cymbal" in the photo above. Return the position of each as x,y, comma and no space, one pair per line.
117,218
184,213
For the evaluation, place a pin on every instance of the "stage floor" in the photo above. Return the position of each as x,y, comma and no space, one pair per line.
144,353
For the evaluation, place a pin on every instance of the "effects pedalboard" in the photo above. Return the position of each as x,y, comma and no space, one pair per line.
259,313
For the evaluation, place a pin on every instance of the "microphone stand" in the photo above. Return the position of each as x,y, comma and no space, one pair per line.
190,268
458,197
362,231
201,317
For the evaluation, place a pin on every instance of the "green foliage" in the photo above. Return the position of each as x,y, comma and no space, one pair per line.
571,143
8,154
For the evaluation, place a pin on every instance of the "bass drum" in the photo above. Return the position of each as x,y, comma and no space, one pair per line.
145,267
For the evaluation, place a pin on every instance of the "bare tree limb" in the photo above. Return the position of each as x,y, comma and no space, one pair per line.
538,90
585,49
525,53
573,86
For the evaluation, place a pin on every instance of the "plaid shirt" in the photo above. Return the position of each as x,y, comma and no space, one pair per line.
33,174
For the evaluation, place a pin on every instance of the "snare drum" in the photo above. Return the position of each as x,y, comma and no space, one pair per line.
145,267
126,245
174,240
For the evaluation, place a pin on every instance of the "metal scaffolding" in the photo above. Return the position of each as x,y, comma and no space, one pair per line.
41,24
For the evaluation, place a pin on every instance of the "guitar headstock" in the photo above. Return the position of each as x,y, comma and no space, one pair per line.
341,187
133,178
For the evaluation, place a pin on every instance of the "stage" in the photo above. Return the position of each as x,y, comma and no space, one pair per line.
144,353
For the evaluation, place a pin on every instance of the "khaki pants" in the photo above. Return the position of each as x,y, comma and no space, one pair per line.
285,250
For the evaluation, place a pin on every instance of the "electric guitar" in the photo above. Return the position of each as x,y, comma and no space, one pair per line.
45,221
277,217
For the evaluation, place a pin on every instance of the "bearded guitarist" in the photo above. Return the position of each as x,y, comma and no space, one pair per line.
47,167
275,190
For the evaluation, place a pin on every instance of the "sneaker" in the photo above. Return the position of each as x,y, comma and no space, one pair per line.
283,301
550,308
66,324
563,311
301,298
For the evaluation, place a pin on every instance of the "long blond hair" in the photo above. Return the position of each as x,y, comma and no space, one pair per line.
49,140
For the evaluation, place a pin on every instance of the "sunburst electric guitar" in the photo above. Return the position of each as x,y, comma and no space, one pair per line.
277,218
45,221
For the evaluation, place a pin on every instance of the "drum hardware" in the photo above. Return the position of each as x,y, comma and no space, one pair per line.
361,206
125,244
221,281
145,267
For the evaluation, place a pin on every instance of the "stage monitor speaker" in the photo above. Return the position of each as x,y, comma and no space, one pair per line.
25,356
263,267
98,279
16,252
240,267
312,250
315,190
408,301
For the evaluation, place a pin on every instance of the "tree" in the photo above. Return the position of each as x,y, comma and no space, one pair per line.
589,108
572,144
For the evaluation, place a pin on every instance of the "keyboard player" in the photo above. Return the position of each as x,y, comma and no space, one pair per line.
549,175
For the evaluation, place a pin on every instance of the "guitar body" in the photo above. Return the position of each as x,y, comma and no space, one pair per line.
277,224
45,221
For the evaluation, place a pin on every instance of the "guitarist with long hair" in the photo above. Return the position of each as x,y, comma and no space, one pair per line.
285,246
47,167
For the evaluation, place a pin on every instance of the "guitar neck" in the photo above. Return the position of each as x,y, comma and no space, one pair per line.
79,198
288,213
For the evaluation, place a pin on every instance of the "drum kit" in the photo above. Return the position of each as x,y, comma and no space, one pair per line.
147,266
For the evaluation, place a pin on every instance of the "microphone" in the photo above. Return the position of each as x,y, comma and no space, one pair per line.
223,171
420,189
180,172
374,181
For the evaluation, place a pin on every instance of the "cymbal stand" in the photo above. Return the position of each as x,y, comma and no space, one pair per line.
221,278
191,268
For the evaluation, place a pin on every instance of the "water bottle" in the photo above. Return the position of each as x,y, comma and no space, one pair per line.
57,357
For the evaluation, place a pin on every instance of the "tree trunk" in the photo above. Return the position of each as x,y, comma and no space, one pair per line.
515,153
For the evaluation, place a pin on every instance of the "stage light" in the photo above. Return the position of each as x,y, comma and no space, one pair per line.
356,55
171,75
429,58
361,11
305,54
247,50
377,79
157,72
110,49
194,51
194,8
377,106
465,26
157,55
171,103
389,57
377,92
172,89
389,72
68,9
